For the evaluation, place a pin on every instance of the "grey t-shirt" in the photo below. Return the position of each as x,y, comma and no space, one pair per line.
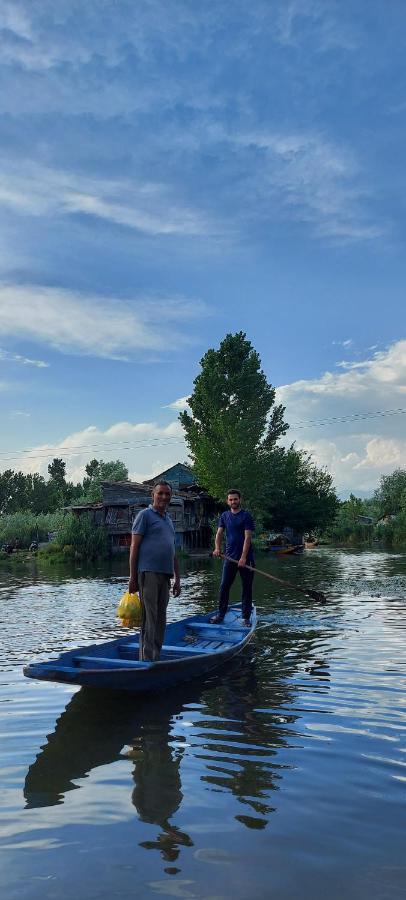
157,548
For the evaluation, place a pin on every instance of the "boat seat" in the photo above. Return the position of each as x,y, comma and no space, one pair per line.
204,628
107,662
184,649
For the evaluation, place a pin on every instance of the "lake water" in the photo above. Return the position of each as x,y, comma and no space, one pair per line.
282,777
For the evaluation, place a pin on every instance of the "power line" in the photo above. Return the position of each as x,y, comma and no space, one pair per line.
85,449
144,443
351,417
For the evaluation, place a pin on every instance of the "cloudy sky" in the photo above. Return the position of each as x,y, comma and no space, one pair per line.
171,172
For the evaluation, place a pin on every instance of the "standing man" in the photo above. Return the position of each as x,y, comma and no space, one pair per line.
152,565
239,526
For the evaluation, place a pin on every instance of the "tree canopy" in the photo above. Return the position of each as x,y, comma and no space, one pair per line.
298,493
234,424
391,493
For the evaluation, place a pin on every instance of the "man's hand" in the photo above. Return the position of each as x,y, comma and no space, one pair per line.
133,586
176,588
217,552
242,561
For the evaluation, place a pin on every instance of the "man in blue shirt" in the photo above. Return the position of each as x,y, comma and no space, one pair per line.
152,565
238,525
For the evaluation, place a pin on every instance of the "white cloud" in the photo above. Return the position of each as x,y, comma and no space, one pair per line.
350,420
325,21
145,447
5,356
97,326
314,181
181,403
150,208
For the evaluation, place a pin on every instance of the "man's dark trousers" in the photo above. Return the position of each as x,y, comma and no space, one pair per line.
229,572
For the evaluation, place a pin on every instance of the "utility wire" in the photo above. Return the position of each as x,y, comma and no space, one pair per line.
144,443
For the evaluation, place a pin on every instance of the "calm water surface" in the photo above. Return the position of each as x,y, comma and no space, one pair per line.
282,777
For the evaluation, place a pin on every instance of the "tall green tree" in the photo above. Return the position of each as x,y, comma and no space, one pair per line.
234,424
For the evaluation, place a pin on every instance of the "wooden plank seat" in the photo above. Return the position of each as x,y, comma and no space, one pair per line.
172,648
107,662
222,631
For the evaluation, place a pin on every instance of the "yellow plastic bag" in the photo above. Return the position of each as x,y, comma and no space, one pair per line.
130,610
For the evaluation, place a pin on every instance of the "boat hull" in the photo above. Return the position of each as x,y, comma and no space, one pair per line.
188,653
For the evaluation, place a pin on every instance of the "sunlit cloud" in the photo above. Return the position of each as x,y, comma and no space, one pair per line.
145,447
180,404
353,421
74,323
36,190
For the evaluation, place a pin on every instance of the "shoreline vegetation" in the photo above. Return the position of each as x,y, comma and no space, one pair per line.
281,485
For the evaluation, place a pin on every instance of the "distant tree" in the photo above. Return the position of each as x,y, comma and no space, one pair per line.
57,471
92,468
57,486
97,472
298,493
6,490
41,495
391,493
234,424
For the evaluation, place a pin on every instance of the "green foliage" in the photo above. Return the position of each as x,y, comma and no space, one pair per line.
88,541
98,471
297,493
23,527
32,492
390,496
387,508
234,424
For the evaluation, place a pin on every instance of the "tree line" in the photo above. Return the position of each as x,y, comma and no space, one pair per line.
385,510
35,494
233,432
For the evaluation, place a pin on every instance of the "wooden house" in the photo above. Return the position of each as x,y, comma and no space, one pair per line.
191,510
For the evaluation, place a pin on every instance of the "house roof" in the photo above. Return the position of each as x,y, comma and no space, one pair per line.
177,465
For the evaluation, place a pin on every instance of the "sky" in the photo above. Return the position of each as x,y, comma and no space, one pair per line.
173,172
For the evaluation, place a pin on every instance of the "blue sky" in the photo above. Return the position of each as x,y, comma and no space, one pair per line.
171,172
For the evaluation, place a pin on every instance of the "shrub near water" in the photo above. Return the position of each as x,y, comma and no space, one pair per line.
79,537
21,528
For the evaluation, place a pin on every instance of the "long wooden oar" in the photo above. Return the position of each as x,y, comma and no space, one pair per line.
315,595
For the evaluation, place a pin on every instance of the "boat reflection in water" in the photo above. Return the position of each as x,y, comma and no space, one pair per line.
236,735
93,730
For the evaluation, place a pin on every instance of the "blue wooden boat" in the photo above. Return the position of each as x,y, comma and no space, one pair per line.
192,647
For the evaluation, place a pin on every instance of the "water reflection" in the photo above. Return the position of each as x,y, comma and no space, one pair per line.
240,723
92,731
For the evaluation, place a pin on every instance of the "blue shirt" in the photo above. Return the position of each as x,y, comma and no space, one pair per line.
235,525
157,549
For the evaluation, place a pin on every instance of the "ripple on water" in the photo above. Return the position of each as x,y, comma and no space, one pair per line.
287,769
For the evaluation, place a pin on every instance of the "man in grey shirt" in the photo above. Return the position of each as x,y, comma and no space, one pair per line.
152,565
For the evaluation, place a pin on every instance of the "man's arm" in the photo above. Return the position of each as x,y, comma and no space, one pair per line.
176,583
133,585
218,542
246,546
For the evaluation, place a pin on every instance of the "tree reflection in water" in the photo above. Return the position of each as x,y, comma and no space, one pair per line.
243,718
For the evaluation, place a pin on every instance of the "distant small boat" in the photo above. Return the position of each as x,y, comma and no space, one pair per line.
309,545
284,550
193,647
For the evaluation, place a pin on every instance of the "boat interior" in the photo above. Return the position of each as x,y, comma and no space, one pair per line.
191,637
